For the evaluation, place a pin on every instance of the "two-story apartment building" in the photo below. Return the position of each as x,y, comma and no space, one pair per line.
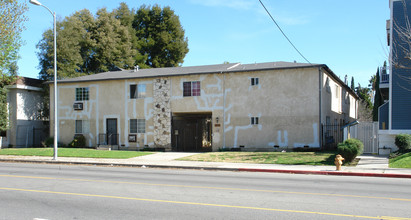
261,106
394,115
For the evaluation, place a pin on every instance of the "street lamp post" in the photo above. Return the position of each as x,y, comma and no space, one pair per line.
35,2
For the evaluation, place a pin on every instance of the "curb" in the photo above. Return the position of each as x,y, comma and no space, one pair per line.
307,172
333,173
118,165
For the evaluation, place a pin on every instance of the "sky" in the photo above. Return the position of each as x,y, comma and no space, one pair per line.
349,36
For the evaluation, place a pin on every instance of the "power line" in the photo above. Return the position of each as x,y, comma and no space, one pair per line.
283,32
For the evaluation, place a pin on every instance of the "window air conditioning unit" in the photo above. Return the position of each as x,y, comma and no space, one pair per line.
78,106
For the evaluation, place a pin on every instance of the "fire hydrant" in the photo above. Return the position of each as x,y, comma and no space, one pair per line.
338,161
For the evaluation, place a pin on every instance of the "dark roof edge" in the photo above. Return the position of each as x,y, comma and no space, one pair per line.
134,77
277,68
335,77
210,72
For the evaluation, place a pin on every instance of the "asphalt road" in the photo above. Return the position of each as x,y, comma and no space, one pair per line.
35,191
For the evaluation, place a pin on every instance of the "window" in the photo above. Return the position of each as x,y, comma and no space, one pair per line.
137,126
82,127
137,91
337,91
192,88
327,85
82,94
254,81
79,127
254,120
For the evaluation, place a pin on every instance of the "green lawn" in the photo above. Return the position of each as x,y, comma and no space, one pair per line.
294,158
72,152
403,161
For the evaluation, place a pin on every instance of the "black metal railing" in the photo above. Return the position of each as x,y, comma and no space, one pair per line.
108,139
332,135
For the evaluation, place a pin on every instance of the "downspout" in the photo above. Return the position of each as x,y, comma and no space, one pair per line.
320,83
223,109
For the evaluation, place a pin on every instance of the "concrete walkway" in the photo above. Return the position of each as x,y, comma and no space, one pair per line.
369,165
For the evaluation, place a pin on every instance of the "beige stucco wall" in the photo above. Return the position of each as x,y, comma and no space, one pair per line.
285,100
338,107
107,100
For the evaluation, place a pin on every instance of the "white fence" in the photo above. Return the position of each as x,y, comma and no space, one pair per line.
367,132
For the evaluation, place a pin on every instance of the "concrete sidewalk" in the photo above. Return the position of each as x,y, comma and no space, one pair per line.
369,165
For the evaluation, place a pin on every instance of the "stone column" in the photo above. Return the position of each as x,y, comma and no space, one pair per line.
162,113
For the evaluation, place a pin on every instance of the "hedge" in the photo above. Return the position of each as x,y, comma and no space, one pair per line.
350,149
403,141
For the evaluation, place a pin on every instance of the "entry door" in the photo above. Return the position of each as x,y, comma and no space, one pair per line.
190,136
112,135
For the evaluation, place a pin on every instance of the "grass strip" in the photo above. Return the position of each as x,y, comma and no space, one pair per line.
290,158
72,152
403,161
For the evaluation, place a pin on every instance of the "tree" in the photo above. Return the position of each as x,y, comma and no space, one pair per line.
352,83
113,43
377,96
88,44
365,105
11,25
160,36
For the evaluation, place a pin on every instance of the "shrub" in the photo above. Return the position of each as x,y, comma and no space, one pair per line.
78,141
357,143
350,149
403,141
49,142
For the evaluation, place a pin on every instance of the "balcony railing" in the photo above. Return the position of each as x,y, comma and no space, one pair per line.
384,76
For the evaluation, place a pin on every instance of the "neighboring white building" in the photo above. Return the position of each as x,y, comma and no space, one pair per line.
27,127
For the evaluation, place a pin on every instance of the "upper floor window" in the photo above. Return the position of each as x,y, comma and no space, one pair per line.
192,88
255,81
337,91
137,91
255,120
82,94
327,85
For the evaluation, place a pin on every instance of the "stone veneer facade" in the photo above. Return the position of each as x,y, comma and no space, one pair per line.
162,113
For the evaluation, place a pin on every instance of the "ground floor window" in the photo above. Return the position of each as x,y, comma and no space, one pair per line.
81,127
137,126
